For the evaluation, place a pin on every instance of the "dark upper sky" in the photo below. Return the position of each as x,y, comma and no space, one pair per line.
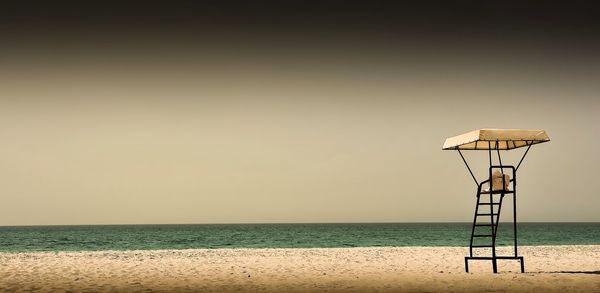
569,26
463,17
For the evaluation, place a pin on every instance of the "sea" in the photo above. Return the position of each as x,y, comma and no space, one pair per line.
145,237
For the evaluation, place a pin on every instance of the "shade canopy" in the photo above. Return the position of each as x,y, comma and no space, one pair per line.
503,139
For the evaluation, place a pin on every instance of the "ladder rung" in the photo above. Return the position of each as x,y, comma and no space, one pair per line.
486,214
481,246
482,235
487,203
485,225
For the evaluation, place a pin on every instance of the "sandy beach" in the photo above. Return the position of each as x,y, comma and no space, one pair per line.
386,269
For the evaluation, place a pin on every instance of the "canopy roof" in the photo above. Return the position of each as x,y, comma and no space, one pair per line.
504,139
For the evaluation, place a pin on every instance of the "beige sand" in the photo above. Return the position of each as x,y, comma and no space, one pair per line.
404,269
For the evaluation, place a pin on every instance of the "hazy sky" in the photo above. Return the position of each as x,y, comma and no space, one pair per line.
228,113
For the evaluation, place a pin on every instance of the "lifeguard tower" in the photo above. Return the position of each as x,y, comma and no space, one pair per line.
502,181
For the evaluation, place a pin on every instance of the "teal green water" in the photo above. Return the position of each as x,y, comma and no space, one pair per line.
129,237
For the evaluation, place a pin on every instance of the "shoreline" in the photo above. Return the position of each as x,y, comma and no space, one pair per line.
280,248
560,268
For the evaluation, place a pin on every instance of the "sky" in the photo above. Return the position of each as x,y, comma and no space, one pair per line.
308,111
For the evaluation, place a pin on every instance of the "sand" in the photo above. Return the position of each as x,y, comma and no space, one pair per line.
383,269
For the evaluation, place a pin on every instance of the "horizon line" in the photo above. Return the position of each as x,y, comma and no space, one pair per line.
291,223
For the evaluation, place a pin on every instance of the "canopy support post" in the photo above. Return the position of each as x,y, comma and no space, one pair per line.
490,152
499,159
522,158
468,168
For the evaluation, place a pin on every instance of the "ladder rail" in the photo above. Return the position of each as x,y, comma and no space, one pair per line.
480,185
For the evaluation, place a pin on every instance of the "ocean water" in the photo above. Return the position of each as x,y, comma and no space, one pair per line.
130,237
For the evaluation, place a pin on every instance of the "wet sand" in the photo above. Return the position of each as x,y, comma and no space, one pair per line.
384,269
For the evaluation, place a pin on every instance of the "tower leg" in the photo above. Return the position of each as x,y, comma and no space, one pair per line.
466,265
495,265
522,265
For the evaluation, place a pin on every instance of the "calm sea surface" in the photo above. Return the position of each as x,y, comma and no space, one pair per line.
128,237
